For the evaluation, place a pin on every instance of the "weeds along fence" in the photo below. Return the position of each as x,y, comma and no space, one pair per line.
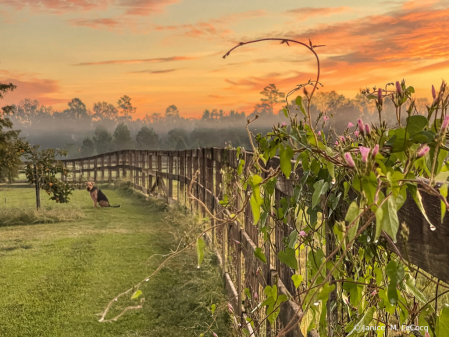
168,174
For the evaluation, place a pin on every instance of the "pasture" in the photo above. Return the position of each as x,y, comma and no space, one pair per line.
60,268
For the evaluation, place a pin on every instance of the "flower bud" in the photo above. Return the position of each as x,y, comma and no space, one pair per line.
367,129
302,233
319,133
360,124
325,118
398,88
350,125
342,139
434,94
356,133
349,159
445,123
364,151
376,150
379,95
422,150
284,124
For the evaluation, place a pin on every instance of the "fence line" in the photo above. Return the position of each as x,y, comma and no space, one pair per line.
168,174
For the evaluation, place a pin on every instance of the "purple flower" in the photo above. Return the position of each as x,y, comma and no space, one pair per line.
256,296
376,150
326,118
422,150
364,151
356,133
379,95
302,233
434,94
398,88
342,139
350,125
445,123
319,133
284,124
336,142
360,124
367,129
349,159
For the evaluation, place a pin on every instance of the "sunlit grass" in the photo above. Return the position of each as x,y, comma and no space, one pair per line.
56,277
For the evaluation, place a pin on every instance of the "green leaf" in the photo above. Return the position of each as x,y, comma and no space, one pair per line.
247,293
288,257
260,255
300,104
418,200
415,124
255,208
443,192
395,272
212,308
320,188
387,219
443,322
136,294
359,328
292,238
324,293
353,212
297,279
241,166
200,245
286,155
410,285
285,111
369,186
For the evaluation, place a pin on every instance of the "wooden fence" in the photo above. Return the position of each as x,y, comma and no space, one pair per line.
168,175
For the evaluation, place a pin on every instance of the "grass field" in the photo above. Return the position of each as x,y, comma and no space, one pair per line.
56,277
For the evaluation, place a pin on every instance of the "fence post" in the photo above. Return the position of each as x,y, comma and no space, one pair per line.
144,170
95,168
169,173
195,169
150,167
182,174
159,169
74,170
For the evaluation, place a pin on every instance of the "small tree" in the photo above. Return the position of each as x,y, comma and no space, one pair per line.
42,169
147,139
126,108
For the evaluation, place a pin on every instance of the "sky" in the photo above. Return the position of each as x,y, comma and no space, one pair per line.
164,52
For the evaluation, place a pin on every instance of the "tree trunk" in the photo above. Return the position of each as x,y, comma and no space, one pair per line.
38,189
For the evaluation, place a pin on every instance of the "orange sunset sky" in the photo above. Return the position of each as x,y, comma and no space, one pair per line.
163,52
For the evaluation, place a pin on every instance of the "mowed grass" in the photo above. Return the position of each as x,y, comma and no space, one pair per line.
55,278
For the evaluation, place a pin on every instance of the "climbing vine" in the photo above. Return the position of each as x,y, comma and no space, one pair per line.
349,192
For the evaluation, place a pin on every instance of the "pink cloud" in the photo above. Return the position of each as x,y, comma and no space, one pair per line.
95,23
152,60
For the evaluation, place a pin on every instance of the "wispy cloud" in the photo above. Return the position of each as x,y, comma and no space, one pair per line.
153,71
306,13
152,60
95,23
31,86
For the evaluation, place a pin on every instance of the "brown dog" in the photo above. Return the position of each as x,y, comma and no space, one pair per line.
97,195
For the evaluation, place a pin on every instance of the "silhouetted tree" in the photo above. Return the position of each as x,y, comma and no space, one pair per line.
126,108
171,114
147,139
88,147
102,140
9,159
272,94
122,138
178,139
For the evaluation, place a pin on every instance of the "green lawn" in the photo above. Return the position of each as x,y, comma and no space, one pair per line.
56,277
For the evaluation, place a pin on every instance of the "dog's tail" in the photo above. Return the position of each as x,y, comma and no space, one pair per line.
115,206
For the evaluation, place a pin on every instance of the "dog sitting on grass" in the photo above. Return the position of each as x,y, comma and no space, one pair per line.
97,195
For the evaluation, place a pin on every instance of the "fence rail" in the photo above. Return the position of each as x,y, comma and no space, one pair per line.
169,173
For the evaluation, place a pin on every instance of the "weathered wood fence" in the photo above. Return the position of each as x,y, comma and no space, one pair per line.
169,173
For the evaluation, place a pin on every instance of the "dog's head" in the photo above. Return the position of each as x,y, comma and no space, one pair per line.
89,185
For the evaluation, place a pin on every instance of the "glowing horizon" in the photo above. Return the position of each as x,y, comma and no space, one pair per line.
170,51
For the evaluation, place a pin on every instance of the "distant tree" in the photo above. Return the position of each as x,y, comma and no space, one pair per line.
147,139
77,110
178,139
155,118
206,114
122,138
102,140
125,108
262,109
104,111
88,147
272,96
172,113
9,158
